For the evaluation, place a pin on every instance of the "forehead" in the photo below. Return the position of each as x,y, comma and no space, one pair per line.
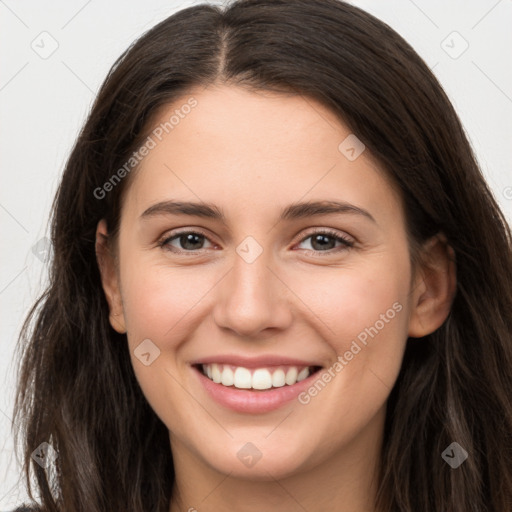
238,148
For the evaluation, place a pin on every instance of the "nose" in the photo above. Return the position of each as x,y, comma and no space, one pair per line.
253,298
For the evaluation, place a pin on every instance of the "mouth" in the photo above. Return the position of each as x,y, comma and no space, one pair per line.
254,385
262,379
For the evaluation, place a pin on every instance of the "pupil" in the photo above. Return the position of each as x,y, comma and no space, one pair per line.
189,239
323,243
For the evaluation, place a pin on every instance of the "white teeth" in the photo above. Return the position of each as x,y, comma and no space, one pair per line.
228,378
260,378
302,374
278,378
216,375
291,376
242,378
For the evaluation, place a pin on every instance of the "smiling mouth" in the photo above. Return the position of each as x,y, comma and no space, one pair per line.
255,379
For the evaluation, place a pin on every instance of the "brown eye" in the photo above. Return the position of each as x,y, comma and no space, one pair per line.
324,241
188,241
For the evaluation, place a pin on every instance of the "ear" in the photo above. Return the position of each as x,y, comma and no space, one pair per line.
109,278
434,287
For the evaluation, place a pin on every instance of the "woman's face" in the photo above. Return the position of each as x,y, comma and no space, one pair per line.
268,287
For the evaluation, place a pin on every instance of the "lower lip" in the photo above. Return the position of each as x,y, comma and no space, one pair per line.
250,401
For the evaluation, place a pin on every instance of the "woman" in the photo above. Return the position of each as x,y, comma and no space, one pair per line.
191,353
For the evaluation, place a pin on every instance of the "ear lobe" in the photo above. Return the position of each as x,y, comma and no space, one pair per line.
435,287
109,278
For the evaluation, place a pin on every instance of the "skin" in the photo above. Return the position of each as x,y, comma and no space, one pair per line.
252,154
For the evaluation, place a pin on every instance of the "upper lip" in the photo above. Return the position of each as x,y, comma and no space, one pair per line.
254,362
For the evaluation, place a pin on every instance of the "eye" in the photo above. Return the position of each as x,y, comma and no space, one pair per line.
188,240
323,241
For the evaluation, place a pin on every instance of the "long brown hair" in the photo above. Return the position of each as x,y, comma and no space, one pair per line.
77,390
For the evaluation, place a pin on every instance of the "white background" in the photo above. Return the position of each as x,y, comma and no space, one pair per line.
43,103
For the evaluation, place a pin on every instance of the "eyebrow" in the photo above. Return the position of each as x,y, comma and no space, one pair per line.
291,212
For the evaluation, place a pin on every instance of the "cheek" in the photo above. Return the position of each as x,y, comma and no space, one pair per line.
158,305
369,307
350,300
361,312
157,300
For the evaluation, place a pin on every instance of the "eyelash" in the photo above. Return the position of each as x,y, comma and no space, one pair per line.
347,244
